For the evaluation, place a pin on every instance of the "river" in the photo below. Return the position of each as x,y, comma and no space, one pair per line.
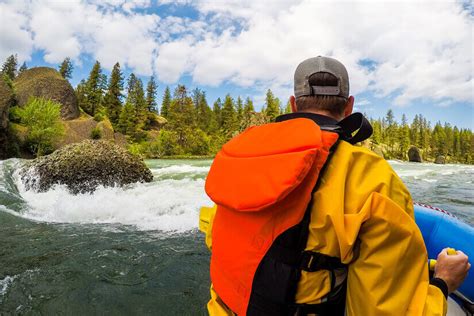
137,250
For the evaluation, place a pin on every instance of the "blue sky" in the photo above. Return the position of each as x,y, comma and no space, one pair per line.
398,54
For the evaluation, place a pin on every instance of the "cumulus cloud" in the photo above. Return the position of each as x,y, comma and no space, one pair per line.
404,50
15,37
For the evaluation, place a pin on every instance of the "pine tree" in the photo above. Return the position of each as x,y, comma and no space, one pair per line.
439,140
113,97
196,96
404,140
456,143
203,111
217,109
229,124
165,105
414,131
377,131
248,107
151,95
65,69
287,108
93,91
22,68
136,97
127,120
181,118
240,112
9,67
272,106
390,131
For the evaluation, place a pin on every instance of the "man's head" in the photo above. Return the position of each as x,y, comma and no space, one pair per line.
322,86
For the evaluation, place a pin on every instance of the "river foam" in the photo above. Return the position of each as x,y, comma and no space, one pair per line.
166,205
171,202
4,285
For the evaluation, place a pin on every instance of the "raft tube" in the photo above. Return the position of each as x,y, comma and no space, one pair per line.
441,229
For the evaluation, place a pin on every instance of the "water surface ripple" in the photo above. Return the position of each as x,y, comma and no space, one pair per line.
136,250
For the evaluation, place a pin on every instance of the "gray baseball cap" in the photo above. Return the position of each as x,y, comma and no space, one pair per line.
321,64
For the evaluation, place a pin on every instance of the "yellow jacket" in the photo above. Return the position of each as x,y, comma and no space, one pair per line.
375,234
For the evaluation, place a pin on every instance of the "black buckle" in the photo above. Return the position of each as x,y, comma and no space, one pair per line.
315,261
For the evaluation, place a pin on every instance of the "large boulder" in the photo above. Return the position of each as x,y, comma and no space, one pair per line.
6,100
441,160
81,129
377,149
156,122
414,154
47,83
82,167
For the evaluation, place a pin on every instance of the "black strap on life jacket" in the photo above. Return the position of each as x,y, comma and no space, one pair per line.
276,279
352,129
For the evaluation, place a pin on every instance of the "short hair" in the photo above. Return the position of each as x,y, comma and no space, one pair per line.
330,103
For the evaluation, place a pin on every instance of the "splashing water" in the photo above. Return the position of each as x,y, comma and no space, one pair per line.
167,204
136,250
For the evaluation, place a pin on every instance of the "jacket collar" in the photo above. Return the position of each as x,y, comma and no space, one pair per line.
319,119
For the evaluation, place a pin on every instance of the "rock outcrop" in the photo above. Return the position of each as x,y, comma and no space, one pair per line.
414,154
47,83
378,150
441,160
156,121
80,129
82,167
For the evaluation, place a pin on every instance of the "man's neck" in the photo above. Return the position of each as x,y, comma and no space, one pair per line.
325,113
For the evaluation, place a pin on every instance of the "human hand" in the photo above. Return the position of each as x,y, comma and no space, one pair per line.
452,268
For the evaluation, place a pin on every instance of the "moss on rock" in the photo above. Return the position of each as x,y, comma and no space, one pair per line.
47,83
81,128
82,167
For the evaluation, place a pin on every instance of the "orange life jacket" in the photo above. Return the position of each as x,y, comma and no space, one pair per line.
262,182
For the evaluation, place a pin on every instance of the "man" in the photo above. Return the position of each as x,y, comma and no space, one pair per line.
307,223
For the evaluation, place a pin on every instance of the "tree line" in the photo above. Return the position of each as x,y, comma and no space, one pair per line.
194,127
450,142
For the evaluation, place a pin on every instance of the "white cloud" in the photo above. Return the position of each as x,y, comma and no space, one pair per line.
15,37
419,50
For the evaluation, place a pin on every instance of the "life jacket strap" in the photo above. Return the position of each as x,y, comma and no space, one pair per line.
332,305
314,261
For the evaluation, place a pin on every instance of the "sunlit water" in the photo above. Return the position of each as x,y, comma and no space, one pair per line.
137,250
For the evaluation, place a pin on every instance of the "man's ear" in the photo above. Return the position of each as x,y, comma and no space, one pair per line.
293,104
349,106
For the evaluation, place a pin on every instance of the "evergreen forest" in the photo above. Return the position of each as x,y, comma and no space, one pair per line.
192,126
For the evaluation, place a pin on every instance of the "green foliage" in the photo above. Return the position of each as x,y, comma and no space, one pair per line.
66,67
151,95
9,68
91,93
127,120
287,108
189,126
113,97
228,117
169,145
134,117
96,133
166,104
42,120
100,115
199,143
272,106
22,68
453,144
